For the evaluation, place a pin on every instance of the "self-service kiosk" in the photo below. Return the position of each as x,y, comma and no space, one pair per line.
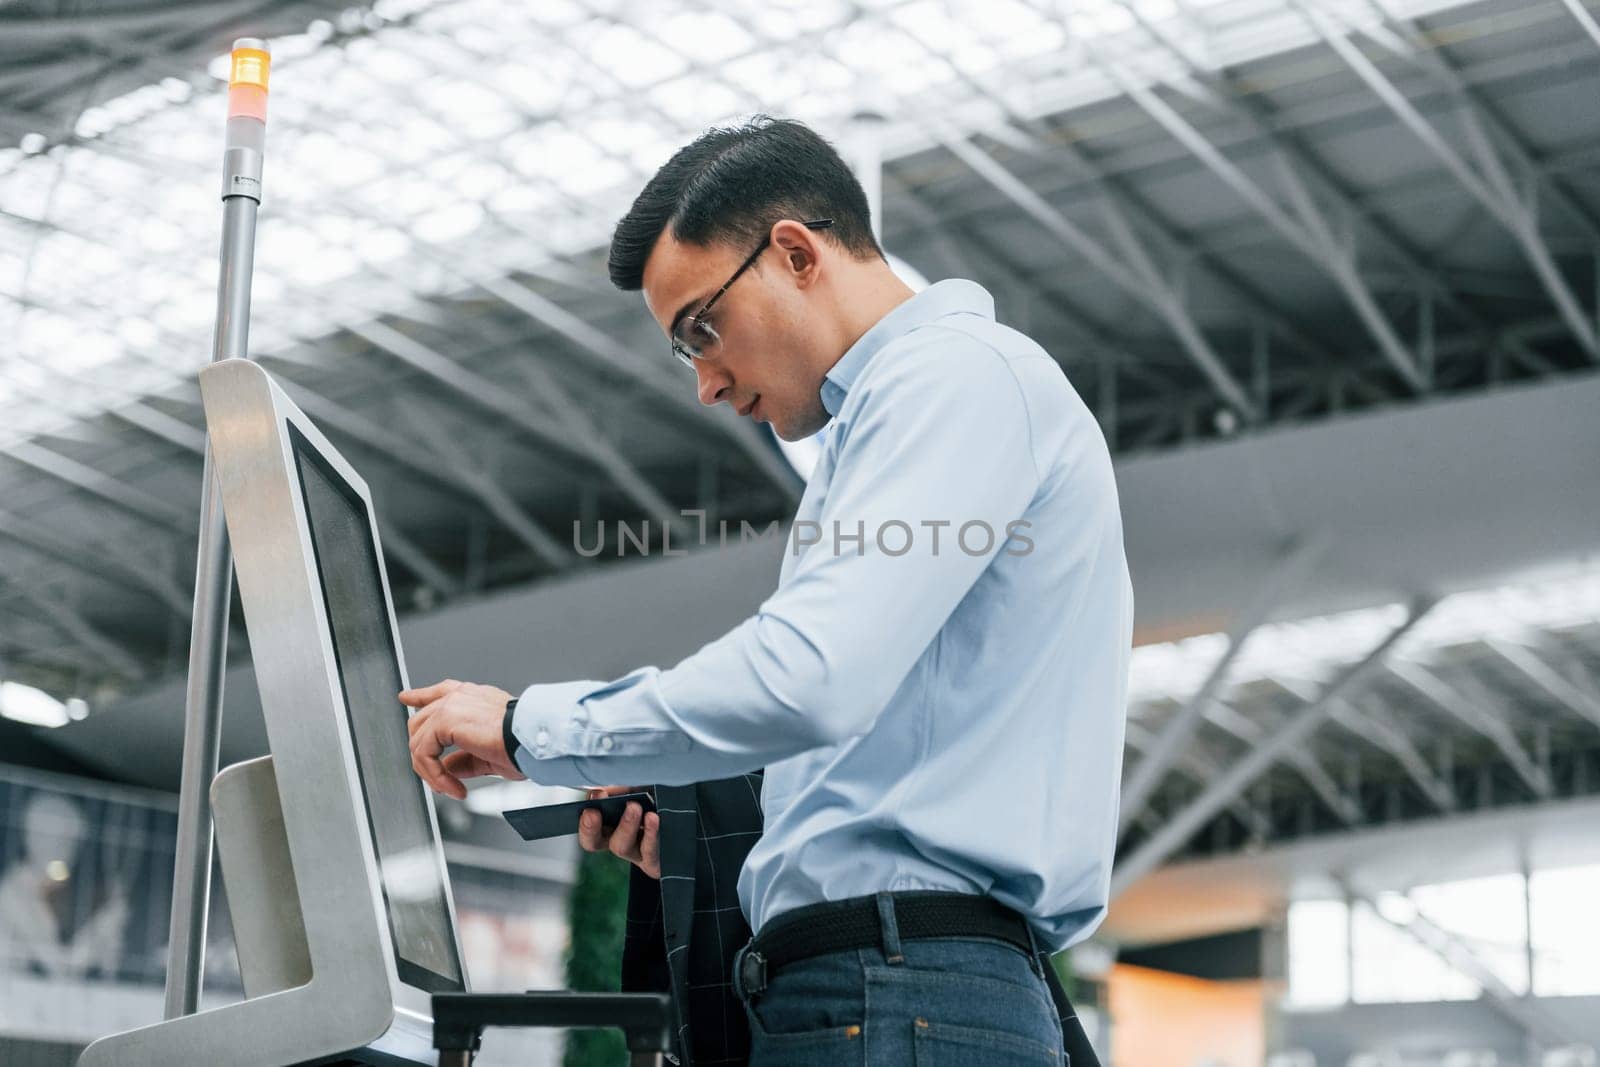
329,846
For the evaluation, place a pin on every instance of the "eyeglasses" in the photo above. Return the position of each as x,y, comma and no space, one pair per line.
693,334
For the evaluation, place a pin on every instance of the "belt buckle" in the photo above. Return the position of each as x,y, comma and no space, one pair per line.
753,973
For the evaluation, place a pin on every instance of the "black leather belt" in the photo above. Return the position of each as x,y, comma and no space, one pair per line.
853,924
848,925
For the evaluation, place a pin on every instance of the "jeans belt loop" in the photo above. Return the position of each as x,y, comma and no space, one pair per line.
749,973
889,929
1036,958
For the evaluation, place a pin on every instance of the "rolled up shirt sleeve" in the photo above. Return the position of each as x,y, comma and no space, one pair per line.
934,464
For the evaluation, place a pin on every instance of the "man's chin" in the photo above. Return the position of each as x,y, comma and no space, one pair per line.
790,432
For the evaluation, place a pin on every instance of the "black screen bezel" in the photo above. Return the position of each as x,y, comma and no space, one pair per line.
410,972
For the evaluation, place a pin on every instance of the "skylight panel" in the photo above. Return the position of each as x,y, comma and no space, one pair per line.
457,117
783,20
704,37
449,223
633,59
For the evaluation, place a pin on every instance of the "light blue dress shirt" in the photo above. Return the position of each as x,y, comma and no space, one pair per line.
936,707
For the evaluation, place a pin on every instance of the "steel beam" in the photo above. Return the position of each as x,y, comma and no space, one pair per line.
124,497
961,260
1476,715
575,422
1110,359
1304,761
93,563
160,424
1116,198
615,357
1288,570
341,421
45,32
495,500
1393,741
1309,234
1148,289
1294,731
1531,666
593,449
1492,187
113,57
1201,768
1584,19
75,627
1321,782
1296,164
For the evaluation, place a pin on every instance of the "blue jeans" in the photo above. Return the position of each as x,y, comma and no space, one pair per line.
928,1003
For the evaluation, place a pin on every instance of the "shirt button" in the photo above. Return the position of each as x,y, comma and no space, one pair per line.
606,743
542,738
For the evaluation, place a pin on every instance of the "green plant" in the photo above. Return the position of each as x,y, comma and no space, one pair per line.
1062,963
596,914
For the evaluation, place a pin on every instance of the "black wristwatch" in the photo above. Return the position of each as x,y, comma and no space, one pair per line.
509,738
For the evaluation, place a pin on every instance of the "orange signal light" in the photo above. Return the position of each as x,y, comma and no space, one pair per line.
251,66
247,83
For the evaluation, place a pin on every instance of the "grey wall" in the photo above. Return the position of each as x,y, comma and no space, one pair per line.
1438,498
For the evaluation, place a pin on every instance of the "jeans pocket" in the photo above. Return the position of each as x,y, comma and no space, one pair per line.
833,1046
938,1044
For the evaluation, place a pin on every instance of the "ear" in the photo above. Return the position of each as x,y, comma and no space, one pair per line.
802,251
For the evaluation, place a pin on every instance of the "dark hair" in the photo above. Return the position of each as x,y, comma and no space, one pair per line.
732,183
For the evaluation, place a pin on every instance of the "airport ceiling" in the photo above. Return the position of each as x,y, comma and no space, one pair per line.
1220,216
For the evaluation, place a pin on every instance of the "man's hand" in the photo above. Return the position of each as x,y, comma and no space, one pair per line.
636,837
470,718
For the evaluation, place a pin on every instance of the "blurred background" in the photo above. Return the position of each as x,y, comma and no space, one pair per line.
1327,272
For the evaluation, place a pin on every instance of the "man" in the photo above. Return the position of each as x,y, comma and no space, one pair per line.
936,687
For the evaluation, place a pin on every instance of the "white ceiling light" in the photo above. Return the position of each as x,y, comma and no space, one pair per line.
24,703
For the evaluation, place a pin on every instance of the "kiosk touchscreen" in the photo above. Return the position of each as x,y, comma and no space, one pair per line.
329,846
397,807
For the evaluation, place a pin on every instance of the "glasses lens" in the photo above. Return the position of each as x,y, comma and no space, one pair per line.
690,340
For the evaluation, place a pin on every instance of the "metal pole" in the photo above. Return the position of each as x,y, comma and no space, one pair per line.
213,583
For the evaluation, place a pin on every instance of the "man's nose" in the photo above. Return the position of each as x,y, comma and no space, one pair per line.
713,384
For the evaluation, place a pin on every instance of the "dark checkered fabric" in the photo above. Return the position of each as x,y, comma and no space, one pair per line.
683,931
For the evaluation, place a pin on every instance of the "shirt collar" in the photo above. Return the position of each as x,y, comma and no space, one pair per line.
950,297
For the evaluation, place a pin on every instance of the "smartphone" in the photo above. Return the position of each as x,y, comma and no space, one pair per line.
559,820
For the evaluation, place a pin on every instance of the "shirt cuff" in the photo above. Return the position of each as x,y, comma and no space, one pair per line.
541,723
568,730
